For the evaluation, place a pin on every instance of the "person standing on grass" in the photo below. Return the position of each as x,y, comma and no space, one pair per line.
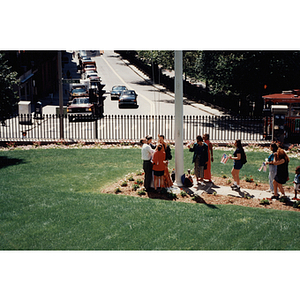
159,165
207,171
167,178
239,158
282,176
200,158
147,153
272,168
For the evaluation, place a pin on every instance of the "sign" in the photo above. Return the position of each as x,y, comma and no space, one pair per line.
71,80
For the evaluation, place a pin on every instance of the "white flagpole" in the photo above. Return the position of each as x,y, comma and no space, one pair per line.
179,167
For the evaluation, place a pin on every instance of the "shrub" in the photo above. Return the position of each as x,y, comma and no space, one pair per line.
183,194
264,201
135,187
141,192
124,183
249,179
138,173
131,178
296,204
117,190
139,181
172,196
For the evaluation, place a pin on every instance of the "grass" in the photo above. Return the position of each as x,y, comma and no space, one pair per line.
51,200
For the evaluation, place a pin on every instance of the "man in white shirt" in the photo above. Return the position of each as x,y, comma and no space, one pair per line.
147,152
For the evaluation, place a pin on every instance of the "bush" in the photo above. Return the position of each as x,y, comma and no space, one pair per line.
139,181
172,196
131,178
124,183
264,202
183,194
117,190
141,192
296,204
135,187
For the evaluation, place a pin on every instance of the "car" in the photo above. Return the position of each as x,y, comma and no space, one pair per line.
89,68
128,98
87,74
78,91
80,107
116,91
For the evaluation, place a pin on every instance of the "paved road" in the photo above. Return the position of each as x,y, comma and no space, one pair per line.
152,100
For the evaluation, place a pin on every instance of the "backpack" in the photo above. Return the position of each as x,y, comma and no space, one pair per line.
244,158
168,153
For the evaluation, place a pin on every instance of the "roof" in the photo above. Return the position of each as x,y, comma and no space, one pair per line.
285,96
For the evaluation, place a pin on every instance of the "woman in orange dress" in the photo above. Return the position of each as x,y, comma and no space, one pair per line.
207,171
167,178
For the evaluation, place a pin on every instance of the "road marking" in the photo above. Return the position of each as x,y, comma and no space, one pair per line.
152,110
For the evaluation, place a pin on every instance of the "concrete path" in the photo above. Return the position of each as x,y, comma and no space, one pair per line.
211,188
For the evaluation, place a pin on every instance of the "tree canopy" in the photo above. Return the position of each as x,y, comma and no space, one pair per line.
246,74
8,95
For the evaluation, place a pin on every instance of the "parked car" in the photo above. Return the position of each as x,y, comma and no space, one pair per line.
116,91
89,68
128,97
78,91
79,108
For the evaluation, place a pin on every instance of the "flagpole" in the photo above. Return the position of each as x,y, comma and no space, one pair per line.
179,166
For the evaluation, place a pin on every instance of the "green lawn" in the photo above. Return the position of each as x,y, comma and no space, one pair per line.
50,200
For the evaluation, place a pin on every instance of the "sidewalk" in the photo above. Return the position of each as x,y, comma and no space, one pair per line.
211,188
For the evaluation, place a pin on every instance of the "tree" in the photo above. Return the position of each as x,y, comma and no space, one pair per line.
8,95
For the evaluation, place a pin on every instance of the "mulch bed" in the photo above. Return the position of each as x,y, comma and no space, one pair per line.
205,198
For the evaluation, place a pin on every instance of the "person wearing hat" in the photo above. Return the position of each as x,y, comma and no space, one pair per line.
147,153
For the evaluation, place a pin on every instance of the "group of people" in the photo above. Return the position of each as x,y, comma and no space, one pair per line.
156,159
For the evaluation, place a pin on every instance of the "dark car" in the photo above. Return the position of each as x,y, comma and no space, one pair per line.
128,98
116,91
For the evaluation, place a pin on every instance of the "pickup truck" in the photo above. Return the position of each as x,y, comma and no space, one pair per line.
79,108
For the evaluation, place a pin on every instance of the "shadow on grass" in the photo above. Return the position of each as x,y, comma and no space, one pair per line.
7,162
168,196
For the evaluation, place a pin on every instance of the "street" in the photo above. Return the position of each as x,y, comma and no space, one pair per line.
152,100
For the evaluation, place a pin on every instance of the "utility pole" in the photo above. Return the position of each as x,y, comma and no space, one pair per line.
61,99
179,166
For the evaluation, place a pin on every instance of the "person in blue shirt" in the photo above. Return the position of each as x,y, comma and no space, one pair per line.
297,182
272,168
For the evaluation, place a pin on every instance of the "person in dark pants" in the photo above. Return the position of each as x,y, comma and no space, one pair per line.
147,153
200,158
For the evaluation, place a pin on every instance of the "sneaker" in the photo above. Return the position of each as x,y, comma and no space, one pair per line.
201,183
233,186
275,197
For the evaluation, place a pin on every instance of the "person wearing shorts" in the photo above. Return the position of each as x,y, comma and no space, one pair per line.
200,158
237,158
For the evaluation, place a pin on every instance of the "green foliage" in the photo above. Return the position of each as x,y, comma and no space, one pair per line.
8,95
135,186
264,201
141,192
